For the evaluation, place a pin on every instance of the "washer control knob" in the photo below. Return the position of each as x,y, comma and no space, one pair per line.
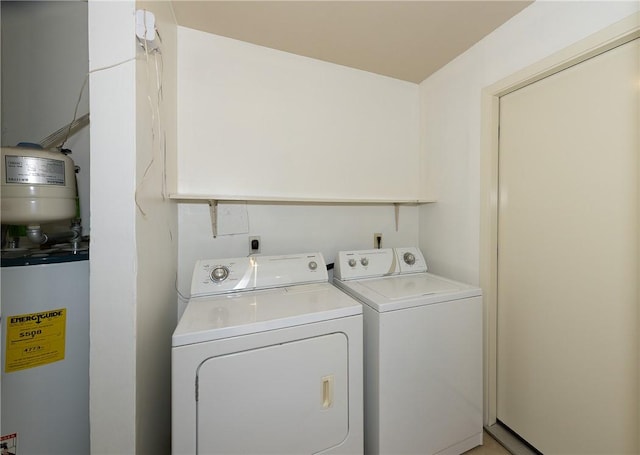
352,262
313,265
409,258
364,261
219,274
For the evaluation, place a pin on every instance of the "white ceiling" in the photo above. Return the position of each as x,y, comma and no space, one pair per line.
407,40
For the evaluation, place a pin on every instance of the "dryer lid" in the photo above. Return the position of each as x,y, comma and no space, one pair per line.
216,317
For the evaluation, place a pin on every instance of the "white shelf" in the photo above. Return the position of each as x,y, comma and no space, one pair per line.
299,200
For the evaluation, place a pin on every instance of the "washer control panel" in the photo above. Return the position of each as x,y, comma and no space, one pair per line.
410,260
351,265
219,276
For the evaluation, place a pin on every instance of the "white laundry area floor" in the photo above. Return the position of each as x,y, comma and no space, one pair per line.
489,447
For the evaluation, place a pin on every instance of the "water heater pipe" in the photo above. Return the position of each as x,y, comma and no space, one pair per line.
37,236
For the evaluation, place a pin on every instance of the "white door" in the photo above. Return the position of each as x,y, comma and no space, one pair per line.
289,398
567,378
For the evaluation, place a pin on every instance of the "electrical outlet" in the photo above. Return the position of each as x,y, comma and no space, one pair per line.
377,240
254,244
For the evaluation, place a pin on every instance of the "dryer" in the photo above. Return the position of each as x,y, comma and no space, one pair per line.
267,359
422,353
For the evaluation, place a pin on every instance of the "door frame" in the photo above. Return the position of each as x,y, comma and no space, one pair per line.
612,36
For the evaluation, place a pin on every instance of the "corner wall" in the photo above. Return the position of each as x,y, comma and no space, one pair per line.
156,233
113,263
133,257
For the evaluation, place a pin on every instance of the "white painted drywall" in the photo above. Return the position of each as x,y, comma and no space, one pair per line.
44,64
255,121
114,265
134,243
265,123
451,106
156,233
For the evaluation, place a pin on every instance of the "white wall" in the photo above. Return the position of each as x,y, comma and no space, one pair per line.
256,121
156,234
451,103
267,123
133,257
113,265
44,63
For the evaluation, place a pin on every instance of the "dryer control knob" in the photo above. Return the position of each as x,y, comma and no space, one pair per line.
364,261
313,265
219,274
352,262
409,258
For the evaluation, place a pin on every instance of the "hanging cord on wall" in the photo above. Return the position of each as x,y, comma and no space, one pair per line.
181,296
76,123
152,50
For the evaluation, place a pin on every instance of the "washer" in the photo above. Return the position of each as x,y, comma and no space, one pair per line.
422,353
267,358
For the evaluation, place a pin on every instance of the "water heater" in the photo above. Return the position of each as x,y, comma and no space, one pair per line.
38,186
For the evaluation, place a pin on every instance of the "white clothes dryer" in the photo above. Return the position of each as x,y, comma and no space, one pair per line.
267,359
422,353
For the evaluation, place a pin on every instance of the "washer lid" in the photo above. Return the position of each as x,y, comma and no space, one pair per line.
405,291
224,316
408,286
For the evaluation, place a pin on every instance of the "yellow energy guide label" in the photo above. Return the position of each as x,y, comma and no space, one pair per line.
35,339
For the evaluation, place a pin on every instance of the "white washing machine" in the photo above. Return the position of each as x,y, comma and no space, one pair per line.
422,353
267,359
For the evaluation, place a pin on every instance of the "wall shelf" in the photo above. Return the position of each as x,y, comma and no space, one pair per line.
293,200
213,202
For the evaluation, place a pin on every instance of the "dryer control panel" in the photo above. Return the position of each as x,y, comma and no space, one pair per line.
351,265
219,276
